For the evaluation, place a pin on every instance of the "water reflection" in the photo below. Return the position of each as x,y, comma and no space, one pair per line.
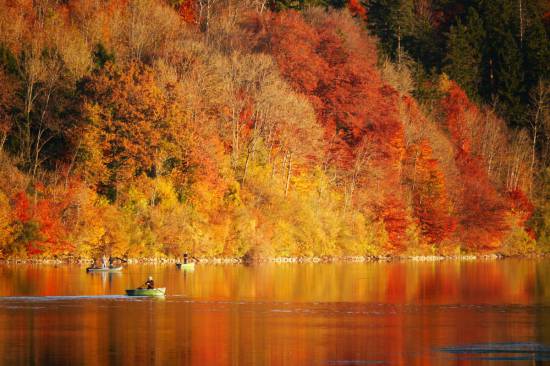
292,314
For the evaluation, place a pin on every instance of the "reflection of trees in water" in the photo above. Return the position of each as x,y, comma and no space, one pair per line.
542,296
151,333
281,314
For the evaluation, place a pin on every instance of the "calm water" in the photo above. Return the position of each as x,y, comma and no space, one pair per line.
452,313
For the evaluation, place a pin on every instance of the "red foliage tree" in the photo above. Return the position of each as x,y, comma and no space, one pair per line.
187,10
42,227
21,207
458,112
333,62
481,209
357,9
430,201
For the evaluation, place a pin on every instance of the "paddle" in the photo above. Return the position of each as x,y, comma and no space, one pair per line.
120,259
144,286
189,257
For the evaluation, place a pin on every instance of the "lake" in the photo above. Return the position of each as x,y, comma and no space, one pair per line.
494,312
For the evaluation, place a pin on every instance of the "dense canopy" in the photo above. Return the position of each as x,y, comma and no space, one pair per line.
271,128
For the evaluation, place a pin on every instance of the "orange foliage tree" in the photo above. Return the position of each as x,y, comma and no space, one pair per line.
130,128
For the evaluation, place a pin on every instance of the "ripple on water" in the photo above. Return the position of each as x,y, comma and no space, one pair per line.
9,300
506,351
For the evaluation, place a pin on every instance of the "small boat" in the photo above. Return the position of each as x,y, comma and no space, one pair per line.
104,269
188,266
160,291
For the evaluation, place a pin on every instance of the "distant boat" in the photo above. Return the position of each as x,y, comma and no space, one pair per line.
187,266
104,269
146,292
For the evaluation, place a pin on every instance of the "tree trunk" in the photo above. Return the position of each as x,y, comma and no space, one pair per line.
273,168
3,141
520,24
399,47
250,153
289,173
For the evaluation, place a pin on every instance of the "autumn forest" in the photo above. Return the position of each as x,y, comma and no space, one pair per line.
273,128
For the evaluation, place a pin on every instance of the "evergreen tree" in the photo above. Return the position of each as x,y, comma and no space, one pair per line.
536,52
464,55
508,80
502,62
393,21
425,43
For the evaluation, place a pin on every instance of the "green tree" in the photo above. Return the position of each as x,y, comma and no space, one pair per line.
536,52
464,55
508,80
502,65
393,21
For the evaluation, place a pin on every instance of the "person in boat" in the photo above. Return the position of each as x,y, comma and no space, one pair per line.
94,264
185,258
149,284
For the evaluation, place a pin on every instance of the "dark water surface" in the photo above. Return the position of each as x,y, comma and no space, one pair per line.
449,313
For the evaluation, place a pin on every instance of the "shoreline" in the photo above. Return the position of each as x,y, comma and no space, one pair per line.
286,260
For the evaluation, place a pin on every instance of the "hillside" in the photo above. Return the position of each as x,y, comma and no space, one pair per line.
225,129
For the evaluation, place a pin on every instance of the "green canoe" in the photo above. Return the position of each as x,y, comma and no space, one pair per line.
189,266
104,269
146,291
